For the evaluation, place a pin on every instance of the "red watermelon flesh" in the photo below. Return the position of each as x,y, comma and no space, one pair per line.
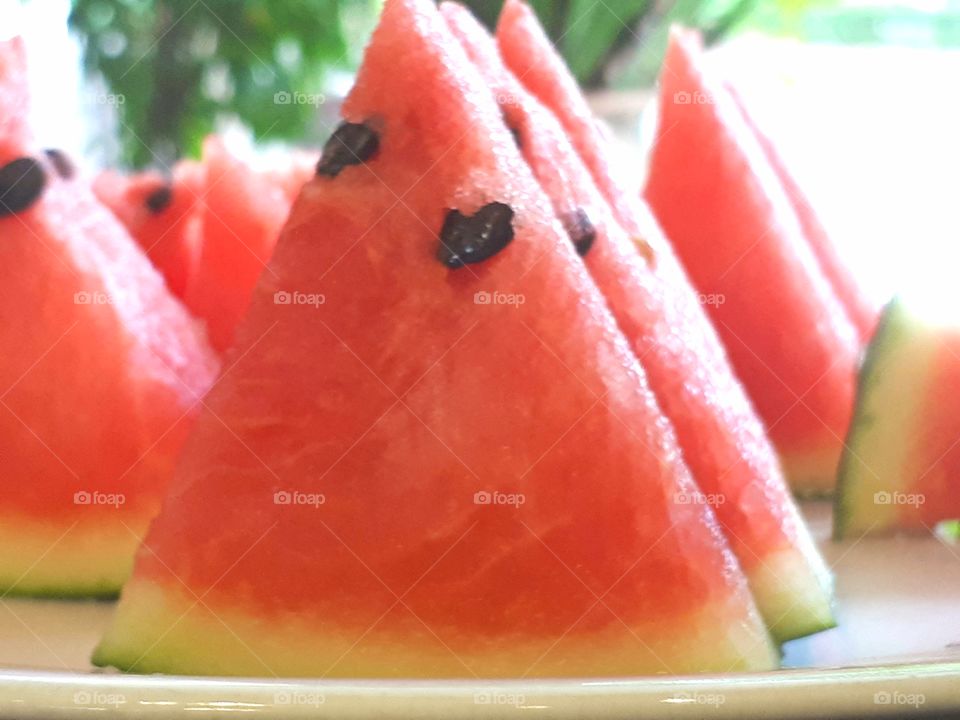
162,215
862,310
242,215
723,440
805,405
485,488
100,374
722,206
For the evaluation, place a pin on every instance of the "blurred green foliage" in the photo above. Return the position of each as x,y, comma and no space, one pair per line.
182,64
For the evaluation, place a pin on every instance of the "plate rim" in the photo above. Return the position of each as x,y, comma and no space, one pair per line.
842,692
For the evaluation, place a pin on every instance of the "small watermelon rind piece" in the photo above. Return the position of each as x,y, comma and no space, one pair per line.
855,510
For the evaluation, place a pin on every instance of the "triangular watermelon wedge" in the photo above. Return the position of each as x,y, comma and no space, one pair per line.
431,458
723,207
242,215
723,440
100,373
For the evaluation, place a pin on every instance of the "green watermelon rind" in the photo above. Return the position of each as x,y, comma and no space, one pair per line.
785,633
94,564
799,591
85,591
108,657
887,336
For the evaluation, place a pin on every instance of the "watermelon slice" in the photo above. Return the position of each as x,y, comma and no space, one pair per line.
211,229
804,398
862,310
719,201
723,440
242,215
901,469
443,459
100,374
161,215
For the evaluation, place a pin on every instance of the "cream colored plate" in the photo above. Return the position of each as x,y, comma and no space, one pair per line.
896,652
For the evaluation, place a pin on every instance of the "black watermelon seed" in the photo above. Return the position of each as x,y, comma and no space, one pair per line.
350,144
473,238
61,163
21,185
580,229
159,199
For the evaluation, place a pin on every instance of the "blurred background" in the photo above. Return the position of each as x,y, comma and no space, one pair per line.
863,94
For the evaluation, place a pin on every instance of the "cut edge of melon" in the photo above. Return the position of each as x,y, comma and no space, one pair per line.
888,379
69,559
159,629
797,592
